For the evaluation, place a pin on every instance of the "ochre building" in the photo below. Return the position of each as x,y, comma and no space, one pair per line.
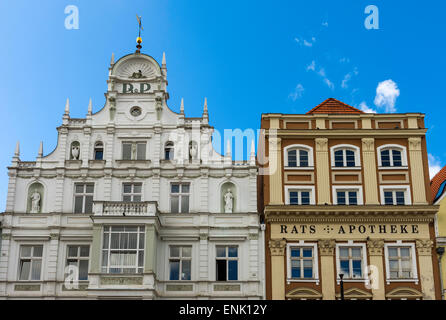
347,194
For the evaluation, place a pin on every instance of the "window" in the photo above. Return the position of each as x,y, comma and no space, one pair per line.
169,151
395,195
131,192
351,260
30,262
345,156
347,195
78,256
299,195
392,156
83,197
302,262
298,156
99,151
400,262
227,263
180,263
179,197
123,249
133,151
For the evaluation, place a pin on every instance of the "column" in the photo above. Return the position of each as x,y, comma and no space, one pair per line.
277,249
369,164
377,275
326,249
426,276
96,251
275,170
323,171
150,249
417,171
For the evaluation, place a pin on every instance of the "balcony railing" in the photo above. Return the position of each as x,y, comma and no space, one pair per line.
121,208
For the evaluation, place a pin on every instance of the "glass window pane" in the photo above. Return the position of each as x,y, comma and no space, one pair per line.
127,188
345,267
295,252
307,253
295,272
400,197
343,252
187,252
35,271
221,270
174,270
137,188
25,251
85,251
25,266
352,198
114,241
385,158
308,272
356,252
393,252
174,251
388,198
174,204
305,197
141,241
136,198
175,188
83,269
294,199
78,202
133,238
88,204
232,251
141,258
350,158
393,264
185,188
221,251
126,151
186,270
104,258
357,269
303,158
184,204
89,188
98,154
127,198
141,151
405,252
339,158
72,251
397,161
405,264
79,188
341,197
37,251
292,158
232,269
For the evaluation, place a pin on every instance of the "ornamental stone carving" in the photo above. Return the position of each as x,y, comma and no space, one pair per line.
35,202
424,247
321,144
415,144
327,247
375,247
277,247
228,197
368,144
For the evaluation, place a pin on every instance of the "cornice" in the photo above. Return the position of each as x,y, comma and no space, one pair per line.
359,133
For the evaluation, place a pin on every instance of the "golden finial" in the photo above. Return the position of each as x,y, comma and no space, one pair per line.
139,39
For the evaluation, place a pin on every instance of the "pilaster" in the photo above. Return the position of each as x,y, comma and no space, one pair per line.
369,164
424,250
417,171
326,251
375,249
277,249
323,171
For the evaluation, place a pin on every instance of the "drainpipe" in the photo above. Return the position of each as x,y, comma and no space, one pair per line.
440,252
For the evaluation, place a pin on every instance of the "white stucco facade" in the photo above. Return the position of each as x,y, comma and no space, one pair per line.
109,171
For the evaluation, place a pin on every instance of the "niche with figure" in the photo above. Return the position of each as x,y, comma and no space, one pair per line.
228,197
75,150
35,198
193,151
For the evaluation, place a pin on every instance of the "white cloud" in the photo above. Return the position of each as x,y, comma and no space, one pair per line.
347,78
344,60
325,24
321,73
434,165
364,107
304,42
386,94
298,92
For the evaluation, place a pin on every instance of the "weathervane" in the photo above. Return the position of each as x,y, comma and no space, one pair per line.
139,39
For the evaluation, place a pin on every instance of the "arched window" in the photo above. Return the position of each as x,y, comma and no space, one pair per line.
169,151
298,156
392,156
345,156
99,151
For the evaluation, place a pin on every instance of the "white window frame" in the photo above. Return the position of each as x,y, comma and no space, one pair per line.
132,193
358,189
405,188
356,151
399,243
351,244
299,189
398,147
302,244
78,256
83,194
298,147
180,195
32,258
180,259
95,147
227,259
133,150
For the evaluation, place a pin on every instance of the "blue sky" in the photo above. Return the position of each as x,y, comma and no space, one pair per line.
249,57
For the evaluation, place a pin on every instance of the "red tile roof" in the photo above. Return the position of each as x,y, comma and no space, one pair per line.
333,106
437,181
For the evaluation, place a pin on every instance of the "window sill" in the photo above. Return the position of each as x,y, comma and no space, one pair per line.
346,168
393,168
338,281
388,281
300,168
303,280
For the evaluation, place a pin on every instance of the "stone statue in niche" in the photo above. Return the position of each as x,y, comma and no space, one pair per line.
228,197
75,152
35,202
193,151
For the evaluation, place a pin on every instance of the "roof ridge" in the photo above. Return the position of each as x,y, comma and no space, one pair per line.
331,100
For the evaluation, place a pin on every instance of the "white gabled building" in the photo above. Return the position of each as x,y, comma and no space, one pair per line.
133,202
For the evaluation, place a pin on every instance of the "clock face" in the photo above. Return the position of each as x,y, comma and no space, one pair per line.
135,111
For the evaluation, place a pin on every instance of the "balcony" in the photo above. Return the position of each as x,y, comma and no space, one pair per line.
121,208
